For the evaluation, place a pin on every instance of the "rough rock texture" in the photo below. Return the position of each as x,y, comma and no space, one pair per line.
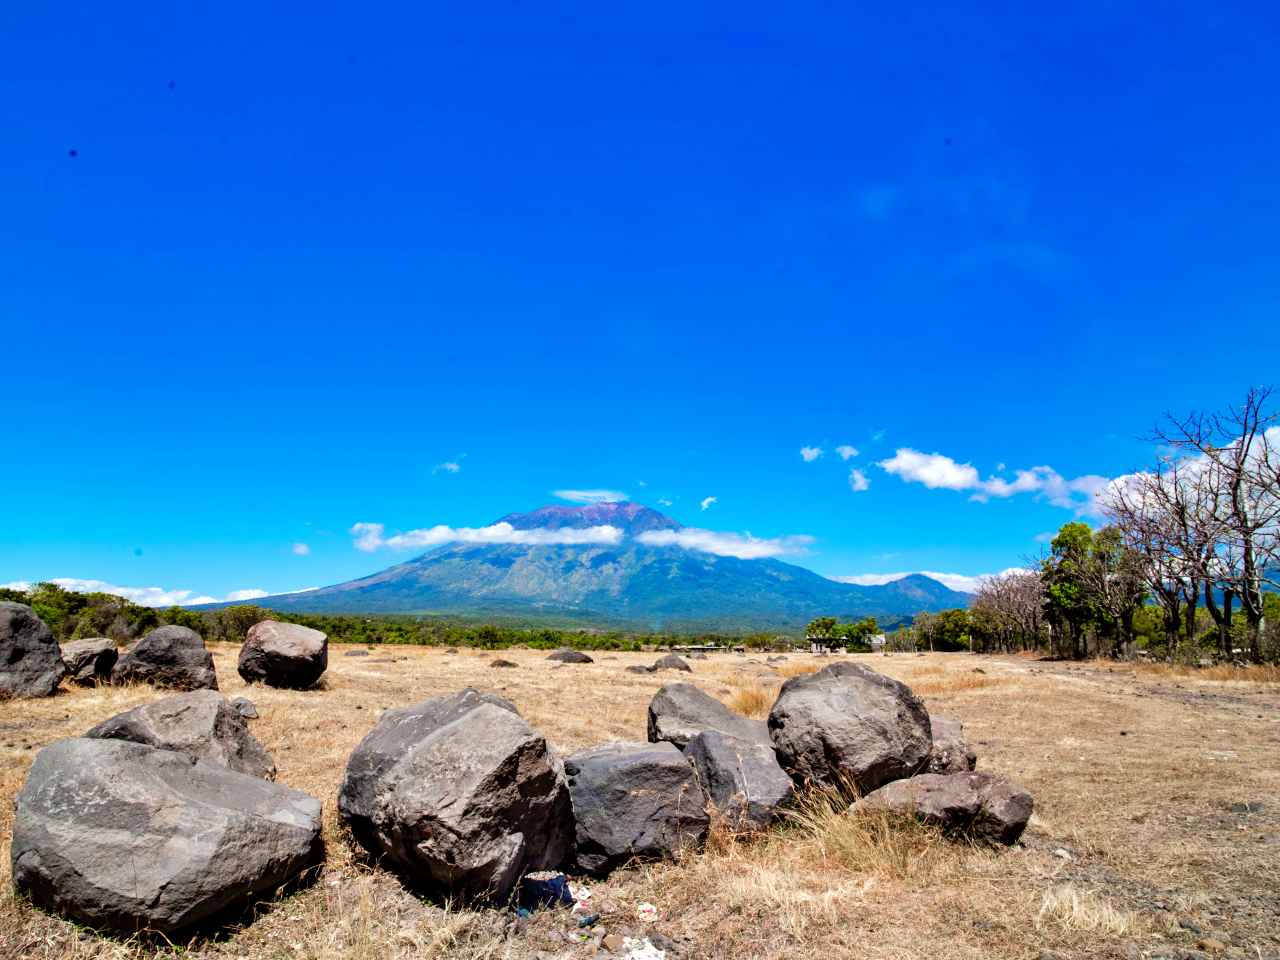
460,793
741,777
30,662
847,723
633,800
503,663
950,754
169,657
245,707
90,661
283,655
981,805
680,711
638,668
201,724
672,662
122,836
570,656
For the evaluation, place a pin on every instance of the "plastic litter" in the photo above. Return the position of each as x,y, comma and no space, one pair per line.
589,921
642,950
545,888
646,912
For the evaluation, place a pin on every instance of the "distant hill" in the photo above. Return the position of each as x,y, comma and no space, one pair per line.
628,584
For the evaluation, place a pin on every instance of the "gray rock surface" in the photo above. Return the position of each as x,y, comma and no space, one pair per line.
672,662
283,655
570,656
245,707
680,711
126,837
741,777
638,668
356,653
30,661
90,661
460,793
507,664
847,725
950,753
630,800
169,657
981,805
200,724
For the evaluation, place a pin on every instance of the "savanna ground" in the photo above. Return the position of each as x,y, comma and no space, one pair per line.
1156,833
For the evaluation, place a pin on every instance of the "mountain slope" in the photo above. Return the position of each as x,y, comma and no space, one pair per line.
626,584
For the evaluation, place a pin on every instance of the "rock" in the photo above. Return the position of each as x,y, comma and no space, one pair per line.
981,805
680,711
30,661
126,837
169,657
503,663
697,656
90,661
460,793
245,707
672,662
633,800
200,724
566,655
356,653
741,777
639,668
847,724
950,753
283,655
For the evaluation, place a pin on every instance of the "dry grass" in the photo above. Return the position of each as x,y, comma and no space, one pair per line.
1219,673
1146,817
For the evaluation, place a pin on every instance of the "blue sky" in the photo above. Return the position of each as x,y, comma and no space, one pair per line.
265,270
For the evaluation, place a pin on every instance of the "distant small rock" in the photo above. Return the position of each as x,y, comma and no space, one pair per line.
90,661
639,668
169,656
356,653
567,655
672,662
283,655
30,661
503,663
245,707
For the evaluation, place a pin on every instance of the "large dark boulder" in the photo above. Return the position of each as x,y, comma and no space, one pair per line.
680,711
168,657
981,805
566,655
950,753
30,662
90,661
125,837
847,725
741,777
672,662
460,793
283,655
633,800
201,724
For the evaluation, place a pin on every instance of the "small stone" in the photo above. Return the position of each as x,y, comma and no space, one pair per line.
612,942
1210,945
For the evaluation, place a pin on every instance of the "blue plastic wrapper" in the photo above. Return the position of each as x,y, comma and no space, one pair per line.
537,893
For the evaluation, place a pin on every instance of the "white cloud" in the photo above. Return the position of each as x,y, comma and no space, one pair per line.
810,454
196,601
707,502
741,545
252,593
955,581
449,466
370,536
301,549
858,481
143,596
664,501
590,496
939,472
1046,537
846,452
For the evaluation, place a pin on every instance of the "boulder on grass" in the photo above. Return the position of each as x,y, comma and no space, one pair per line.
200,724
630,800
125,837
638,668
30,661
672,662
981,805
741,777
678,712
566,655
460,793
499,662
950,753
847,725
90,661
283,655
169,657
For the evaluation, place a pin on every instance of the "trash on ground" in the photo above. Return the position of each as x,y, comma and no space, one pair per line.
646,912
545,888
642,950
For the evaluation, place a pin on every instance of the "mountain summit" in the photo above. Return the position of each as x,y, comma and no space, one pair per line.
624,582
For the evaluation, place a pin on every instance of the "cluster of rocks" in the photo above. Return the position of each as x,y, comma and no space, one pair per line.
668,662
33,665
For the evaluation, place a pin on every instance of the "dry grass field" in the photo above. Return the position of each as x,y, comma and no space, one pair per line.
1156,834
